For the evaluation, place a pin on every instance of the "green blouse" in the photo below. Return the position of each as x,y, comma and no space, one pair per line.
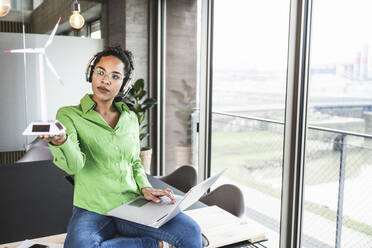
105,161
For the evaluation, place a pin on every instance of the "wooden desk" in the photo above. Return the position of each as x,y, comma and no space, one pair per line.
57,239
156,183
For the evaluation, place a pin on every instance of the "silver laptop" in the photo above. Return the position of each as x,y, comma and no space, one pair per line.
153,214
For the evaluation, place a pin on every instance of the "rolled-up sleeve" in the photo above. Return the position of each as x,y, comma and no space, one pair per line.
68,156
139,174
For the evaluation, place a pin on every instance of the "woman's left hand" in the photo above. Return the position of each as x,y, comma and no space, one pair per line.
153,194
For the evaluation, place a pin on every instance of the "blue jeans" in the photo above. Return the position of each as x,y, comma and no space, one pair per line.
88,229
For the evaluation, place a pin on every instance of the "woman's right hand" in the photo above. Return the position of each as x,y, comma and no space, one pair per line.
56,140
154,194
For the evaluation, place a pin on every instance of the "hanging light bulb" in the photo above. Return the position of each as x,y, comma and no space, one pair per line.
76,20
4,7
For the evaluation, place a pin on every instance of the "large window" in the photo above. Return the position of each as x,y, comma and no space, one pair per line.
249,77
337,201
262,81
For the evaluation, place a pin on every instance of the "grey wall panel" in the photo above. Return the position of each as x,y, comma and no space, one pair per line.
69,55
12,100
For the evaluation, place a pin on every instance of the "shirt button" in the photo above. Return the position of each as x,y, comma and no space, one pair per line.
116,164
116,148
113,133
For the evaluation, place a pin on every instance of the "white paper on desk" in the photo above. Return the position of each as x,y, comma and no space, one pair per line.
27,243
221,228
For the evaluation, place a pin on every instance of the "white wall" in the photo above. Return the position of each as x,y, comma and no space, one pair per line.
19,82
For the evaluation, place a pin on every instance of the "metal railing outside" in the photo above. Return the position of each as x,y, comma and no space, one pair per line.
323,145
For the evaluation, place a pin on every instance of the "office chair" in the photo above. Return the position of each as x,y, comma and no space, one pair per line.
184,178
40,147
228,197
38,153
70,179
37,143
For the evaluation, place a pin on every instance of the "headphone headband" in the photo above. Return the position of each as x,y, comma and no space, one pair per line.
89,69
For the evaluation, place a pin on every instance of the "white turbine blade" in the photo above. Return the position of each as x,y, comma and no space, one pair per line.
49,64
50,39
26,50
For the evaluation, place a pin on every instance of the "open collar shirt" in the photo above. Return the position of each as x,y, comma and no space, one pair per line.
105,161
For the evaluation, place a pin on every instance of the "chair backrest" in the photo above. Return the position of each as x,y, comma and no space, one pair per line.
37,143
70,179
183,178
38,153
228,197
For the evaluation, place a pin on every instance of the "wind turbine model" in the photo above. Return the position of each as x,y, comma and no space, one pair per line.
44,126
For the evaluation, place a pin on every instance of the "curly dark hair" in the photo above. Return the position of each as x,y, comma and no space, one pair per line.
124,55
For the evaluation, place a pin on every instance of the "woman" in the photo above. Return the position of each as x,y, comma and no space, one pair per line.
101,148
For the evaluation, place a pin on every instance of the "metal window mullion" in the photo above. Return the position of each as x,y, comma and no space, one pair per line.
161,41
295,124
205,89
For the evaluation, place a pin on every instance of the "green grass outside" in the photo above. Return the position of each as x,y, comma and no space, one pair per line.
262,150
